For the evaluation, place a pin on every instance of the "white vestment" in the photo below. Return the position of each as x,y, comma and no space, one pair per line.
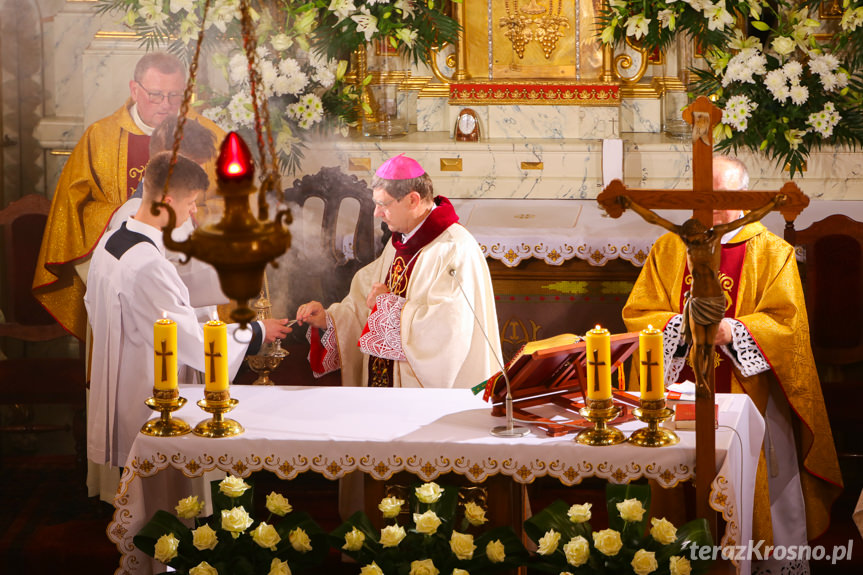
130,285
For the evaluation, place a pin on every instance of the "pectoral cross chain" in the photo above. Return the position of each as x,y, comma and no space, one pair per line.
212,355
648,363
164,355
595,363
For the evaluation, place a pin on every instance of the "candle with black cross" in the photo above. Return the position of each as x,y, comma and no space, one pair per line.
215,356
165,354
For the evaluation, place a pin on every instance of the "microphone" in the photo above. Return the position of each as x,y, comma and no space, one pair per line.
508,430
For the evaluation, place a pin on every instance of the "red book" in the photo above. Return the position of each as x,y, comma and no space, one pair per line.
684,416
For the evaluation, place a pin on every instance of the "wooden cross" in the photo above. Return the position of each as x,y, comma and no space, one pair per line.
164,355
648,363
702,199
595,363
212,355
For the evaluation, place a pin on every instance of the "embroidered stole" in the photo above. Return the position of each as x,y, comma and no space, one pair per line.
138,154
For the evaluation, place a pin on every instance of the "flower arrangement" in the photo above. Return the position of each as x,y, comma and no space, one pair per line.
567,544
231,540
428,534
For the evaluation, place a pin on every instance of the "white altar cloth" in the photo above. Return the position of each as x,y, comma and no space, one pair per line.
428,432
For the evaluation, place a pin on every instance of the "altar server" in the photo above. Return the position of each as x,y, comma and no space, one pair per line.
415,316
131,285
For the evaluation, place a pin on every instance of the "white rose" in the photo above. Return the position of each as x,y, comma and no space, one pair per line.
663,530
429,492
495,551
300,540
426,523
579,513
548,542
354,540
458,571
644,562
166,548
278,504
607,541
679,565
577,551
390,507
203,568
279,567
371,569
783,45
189,507
392,535
204,538
474,514
236,521
281,42
266,536
462,545
424,567
233,486
630,510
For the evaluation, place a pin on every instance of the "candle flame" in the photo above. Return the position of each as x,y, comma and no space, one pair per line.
650,327
164,314
598,326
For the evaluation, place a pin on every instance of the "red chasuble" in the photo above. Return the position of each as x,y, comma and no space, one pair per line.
138,154
730,267
442,217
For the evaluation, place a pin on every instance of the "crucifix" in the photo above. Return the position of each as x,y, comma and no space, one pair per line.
648,363
164,355
703,253
212,355
595,363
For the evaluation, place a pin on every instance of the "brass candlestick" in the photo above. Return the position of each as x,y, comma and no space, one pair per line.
218,403
165,402
653,412
600,412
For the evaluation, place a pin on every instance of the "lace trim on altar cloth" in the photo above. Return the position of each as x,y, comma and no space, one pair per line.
744,352
332,361
384,338
674,349
554,253
775,567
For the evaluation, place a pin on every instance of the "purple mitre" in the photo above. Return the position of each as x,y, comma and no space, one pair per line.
400,168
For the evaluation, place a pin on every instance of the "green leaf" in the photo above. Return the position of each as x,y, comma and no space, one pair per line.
759,25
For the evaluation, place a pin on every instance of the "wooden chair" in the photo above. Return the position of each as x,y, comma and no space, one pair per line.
35,369
831,269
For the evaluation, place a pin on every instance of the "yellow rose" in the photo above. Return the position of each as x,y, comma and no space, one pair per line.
579,513
233,486
278,504
607,541
577,551
458,571
371,569
279,567
474,514
663,530
392,535
630,510
495,551
462,545
189,507
429,492
390,507
203,568
427,523
300,540
166,548
266,536
644,562
236,521
424,567
354,540
679,565
204,538
548,542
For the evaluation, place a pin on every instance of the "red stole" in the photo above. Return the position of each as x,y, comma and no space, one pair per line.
730,267
399,274
137,156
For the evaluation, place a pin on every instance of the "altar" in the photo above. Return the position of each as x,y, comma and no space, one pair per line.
426,432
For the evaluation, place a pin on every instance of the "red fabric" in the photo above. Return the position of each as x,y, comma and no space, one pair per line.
317,351
138,153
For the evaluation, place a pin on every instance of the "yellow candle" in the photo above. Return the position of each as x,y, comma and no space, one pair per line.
216,354
651,371
598,364
165,354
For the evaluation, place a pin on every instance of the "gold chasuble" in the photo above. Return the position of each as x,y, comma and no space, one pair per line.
102,171
768,300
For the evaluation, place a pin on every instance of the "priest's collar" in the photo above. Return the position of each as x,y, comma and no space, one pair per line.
155,234
439,219
133,111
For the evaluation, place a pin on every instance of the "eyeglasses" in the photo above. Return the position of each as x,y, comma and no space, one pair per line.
386,205
157,97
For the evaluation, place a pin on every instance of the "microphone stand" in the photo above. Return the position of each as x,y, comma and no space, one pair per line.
510,429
